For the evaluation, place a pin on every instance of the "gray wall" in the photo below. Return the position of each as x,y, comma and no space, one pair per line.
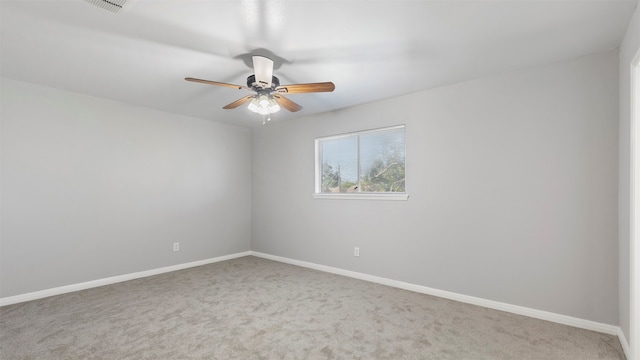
512,182
629,48
93,188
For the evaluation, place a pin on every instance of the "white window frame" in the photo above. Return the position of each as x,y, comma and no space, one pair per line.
318,194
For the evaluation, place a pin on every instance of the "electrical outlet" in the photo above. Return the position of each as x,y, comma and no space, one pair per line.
356,251
176,246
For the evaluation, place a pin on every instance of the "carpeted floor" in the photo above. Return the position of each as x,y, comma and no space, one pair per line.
252,308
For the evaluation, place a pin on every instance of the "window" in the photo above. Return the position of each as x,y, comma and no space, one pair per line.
363,165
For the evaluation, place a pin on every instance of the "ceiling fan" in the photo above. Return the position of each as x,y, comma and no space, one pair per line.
269,94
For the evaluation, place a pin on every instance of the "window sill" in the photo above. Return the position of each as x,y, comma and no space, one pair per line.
362,196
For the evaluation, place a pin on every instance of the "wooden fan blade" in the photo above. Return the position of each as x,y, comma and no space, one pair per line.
286,103
306,88
209,82
239,102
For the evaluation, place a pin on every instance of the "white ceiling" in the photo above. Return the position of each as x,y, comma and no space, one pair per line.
370,49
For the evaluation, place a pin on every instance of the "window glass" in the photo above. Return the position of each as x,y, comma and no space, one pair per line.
370,161
382,161
340,164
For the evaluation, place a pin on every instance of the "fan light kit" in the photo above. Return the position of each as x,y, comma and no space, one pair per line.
268,97
264,105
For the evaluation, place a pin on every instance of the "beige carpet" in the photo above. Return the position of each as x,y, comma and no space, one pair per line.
251,308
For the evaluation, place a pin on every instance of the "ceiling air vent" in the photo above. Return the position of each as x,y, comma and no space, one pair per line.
115,6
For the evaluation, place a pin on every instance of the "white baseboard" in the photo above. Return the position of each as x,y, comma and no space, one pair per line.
515,309
112,280
624,343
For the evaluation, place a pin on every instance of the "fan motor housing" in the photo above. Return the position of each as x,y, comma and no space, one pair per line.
251,82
